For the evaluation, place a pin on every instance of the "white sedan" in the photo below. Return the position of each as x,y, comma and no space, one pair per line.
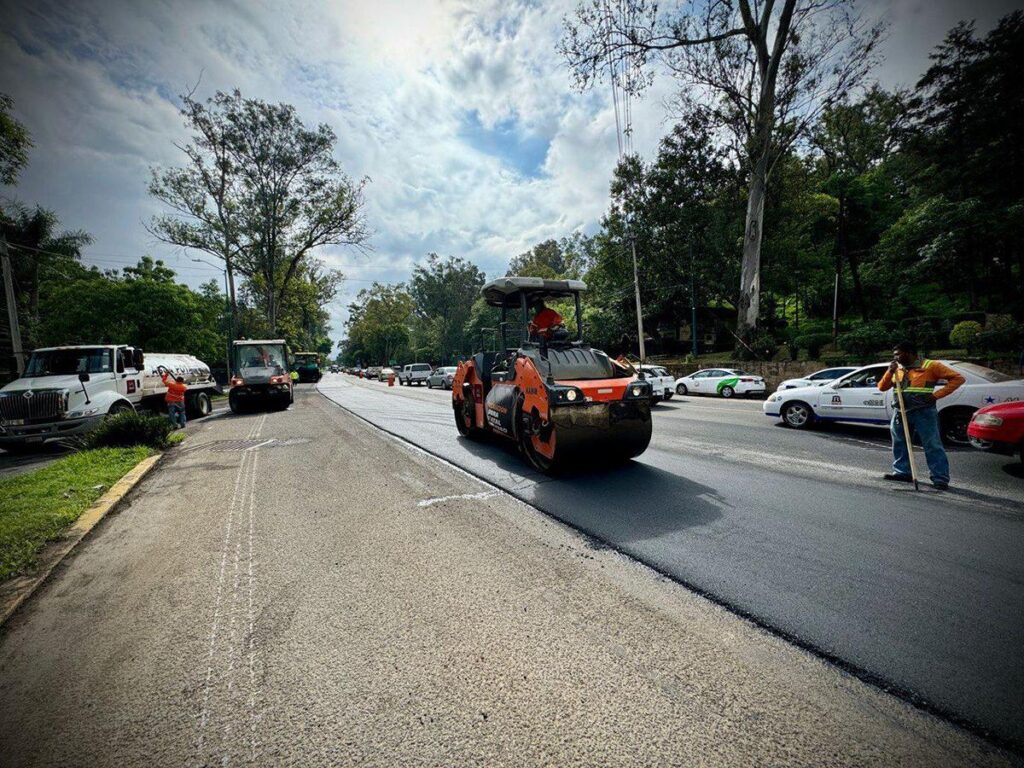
815,379
856,398
724,382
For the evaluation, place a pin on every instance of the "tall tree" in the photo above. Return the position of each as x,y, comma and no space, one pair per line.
443,292
761,71
261,190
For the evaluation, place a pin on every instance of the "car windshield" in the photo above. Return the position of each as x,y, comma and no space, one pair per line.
981,371
741,373
421,367
450,370
64,362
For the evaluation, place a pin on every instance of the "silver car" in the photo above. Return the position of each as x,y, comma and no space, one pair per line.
442,377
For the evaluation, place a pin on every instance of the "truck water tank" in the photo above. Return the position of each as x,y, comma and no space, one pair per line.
194,370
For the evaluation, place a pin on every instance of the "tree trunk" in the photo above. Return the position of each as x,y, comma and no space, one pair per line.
750,272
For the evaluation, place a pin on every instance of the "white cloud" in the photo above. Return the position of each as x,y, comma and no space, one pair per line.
96,80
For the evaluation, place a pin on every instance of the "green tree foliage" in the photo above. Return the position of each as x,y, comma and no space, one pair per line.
378,325
14,142
443,292
144,306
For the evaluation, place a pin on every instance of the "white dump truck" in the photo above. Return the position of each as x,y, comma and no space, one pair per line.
68,390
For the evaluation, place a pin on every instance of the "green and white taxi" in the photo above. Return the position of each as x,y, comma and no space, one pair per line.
724,382
856,398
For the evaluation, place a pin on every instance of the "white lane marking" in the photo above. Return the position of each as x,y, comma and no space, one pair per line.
237,502
440,499
260,445
204,714
252,617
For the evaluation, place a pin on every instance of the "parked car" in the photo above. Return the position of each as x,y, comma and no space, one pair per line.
372,372
383,374
414,373
816,379
999,428
442,377
855,397
724,382
662,382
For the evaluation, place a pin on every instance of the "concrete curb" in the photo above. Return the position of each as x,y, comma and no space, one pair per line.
17,590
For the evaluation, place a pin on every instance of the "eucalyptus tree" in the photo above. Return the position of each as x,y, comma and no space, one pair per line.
759,71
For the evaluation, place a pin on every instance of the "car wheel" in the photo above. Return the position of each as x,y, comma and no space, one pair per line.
797,415
727,392
681,389
954,423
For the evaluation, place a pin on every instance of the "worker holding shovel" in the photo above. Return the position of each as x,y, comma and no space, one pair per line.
915,382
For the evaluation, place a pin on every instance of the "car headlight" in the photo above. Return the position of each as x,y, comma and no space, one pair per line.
774,398
987,420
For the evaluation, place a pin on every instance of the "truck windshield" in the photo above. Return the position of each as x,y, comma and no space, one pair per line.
261,356
68,362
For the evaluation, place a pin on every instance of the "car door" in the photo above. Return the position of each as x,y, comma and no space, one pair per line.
699,381
855,397
126,376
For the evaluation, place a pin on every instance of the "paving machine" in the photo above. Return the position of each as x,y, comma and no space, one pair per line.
307,365
260,375
557,398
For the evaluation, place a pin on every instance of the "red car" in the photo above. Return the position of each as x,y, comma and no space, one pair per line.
998,428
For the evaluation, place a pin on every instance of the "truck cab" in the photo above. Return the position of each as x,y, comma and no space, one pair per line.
307,365
261,375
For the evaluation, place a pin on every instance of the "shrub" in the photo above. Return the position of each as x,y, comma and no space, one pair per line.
1001,334
864,341
128,429
834,358
763,345
812,343
965,334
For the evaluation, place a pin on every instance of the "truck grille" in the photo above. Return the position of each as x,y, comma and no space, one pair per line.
42,405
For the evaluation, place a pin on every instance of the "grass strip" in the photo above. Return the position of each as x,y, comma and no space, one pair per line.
36,507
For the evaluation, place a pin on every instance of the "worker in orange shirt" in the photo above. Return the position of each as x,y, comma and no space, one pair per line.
175,397
544,322
917,380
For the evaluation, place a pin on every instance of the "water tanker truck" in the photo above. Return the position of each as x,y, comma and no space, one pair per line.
69,390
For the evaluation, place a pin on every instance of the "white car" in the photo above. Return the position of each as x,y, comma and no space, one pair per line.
662,383
815,379
415,373
724,382
856,398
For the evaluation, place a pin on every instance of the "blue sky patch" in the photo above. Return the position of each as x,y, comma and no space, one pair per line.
524,154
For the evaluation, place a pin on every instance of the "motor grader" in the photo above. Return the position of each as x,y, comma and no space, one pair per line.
561,401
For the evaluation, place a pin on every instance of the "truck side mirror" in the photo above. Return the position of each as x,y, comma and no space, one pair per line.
83,377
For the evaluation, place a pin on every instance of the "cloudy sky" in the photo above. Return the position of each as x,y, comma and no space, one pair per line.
460,112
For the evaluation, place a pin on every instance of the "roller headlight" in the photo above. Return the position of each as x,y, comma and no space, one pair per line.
637,391
570,395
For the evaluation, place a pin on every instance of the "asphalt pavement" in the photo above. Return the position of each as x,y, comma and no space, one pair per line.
298,588
918,593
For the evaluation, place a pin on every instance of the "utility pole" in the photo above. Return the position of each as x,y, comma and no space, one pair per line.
12,307
693,307
639,315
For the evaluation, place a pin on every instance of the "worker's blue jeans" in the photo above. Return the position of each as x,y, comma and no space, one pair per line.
177,413
924,422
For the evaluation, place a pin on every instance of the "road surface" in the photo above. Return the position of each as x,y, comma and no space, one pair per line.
297,588
918,593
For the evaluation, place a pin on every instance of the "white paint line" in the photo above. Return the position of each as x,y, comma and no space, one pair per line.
204,714
440,499
260,445
252,616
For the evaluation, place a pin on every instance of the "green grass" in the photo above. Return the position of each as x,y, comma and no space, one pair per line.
36,506
176,437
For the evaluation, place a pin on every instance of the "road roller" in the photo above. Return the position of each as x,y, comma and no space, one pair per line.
559,400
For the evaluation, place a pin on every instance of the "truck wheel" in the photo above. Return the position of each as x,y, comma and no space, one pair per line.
797,415
120,407
200,405
234,403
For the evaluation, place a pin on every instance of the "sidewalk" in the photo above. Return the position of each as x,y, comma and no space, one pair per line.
296,588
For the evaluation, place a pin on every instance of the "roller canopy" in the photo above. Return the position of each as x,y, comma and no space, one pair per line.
506,291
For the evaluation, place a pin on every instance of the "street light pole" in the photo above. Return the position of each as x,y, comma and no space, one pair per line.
230,315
